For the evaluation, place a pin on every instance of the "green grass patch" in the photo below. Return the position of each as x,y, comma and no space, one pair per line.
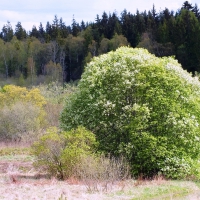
166,190
171,190
22,154
5,151
197,183
21,158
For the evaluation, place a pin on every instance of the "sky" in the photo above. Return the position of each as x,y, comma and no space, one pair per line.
32,12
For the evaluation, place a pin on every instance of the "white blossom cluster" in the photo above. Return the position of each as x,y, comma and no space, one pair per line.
174,67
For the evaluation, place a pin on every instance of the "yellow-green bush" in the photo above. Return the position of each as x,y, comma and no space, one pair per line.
10,94
60,152
21,111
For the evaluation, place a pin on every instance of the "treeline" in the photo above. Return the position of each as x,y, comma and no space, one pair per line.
59,51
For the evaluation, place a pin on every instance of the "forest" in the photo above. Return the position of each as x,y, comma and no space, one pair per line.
59,51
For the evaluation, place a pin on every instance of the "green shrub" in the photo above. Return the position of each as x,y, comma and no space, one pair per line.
59,153
144,107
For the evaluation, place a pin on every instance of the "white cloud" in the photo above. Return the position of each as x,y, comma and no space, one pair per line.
30,12
27,19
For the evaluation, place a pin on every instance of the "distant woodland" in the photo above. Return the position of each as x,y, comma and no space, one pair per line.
57,51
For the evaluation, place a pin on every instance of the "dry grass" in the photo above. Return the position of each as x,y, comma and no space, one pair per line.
31,185
13,186
100,174
19,180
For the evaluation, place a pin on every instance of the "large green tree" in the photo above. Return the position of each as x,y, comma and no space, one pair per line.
144,107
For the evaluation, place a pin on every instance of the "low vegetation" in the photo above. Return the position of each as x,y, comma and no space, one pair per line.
60,153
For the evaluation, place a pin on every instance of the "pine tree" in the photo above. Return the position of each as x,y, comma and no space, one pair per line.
75,27
20,32
7,32
187,6
34,32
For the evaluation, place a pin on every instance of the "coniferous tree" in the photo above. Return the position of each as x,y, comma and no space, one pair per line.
7,32
48,34
83,26
128,28
75,27
187,6
103,25
34,32
20,32
113,26
55,28
41,32
187,35
196,11
64,30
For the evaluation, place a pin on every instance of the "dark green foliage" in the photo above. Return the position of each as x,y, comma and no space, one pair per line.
187,38
169,33
7,32
20,32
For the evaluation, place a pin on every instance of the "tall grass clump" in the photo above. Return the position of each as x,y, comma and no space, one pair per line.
99,172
